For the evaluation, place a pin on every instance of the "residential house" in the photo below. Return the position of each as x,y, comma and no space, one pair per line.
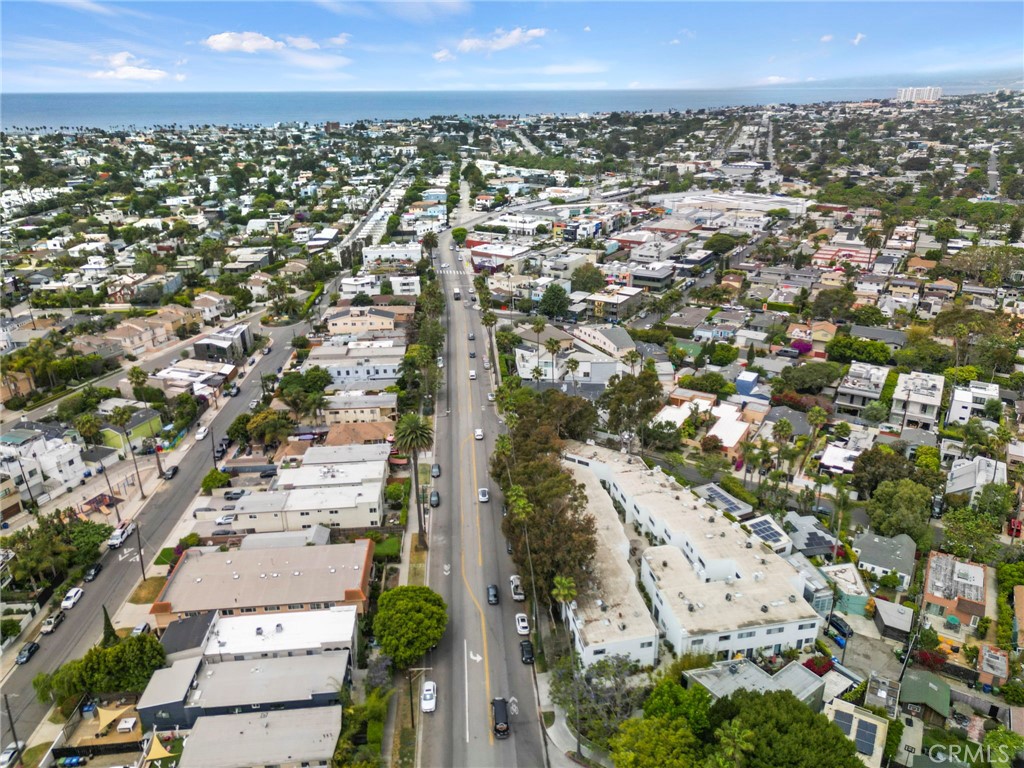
969,402
139,335
925,695
968,476
232,343
359,408
993,666
954,592
882,555
917,399
865,729
862,385
359,361
144,423
38,461
610,339
213,306
894,339
809,536
723,678
894,620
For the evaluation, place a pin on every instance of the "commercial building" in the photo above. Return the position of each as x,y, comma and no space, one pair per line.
287,739
266,581
612,618
917,399
923,93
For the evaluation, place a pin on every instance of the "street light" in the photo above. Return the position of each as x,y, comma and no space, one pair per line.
14,735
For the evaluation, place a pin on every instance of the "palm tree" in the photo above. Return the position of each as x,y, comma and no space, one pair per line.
872,239
315,404
817,417
734,744
537,326
552,346
781,432
564,593
572,365
489,320
632,358
537,374
89,427
429,243
120,417
136,376
413,434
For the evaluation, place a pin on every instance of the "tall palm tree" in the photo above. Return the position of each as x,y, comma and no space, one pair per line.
564,592
413,434
552,346
120,417
136,376
429,243
537,326
781,432
632,358
89,427
315,404
572,365
872,239
489,320
537,374
817,417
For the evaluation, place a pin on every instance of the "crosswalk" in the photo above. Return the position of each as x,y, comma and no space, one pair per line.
452,271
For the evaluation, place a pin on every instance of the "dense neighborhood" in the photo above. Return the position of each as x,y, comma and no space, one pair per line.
748,398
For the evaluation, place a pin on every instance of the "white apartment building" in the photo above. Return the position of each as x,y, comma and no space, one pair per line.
861,386
612,618
38,465
401,285
301,633
969,402
714,587
391,252
377,361
924,93
358,407
355,507
917,400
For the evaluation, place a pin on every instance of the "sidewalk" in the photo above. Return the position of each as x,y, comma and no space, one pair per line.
561,736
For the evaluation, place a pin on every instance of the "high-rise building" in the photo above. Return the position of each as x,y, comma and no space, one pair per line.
926,93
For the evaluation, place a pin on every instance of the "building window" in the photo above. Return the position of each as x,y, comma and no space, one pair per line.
272,608
808,625
743,635
775,630
723,638
228,612
599,652
697,643
248,610
303,514
648,644
295,606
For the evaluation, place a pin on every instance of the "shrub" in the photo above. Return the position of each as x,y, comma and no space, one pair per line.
9,628
734,486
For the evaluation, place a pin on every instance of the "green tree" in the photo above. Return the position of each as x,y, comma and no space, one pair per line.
970,535
833,303
997,500
413,434
215,479
362,300
631,401
110,637
238,430
720,243
654,742
410,621
670,700
846,349
901,506
429,243
459,235
137,377
554,303
875,412
601,699
89,427
587,278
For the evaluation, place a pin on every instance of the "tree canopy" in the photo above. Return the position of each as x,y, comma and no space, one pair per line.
410,621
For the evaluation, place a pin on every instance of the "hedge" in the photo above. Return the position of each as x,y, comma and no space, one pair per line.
312,297
735,487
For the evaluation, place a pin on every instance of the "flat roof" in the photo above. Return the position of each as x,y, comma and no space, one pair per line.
726,677
767,581
615,610
210,580
301,630
268,681
263,738
170,684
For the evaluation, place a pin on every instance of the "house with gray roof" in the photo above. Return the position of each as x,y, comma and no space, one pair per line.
894,339
881,555
809,536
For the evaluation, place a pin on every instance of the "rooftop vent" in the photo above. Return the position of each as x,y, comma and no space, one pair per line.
764,609
279,628
734,668
259,630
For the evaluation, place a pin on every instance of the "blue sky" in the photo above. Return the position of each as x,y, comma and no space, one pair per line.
97,46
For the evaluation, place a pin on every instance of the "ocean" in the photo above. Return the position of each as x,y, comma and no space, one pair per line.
40,111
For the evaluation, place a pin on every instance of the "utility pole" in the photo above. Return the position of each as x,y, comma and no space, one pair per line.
411,678
106,476
138,541
10,719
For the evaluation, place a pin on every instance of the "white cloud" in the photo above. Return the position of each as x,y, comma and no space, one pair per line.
443,55
674,42
180,77
586,28
826,39
86,6
129,72
774,80
859,38
341,39
302,43
246,42
501,40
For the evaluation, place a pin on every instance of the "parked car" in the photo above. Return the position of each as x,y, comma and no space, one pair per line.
428,699
170,472
526,651
435,470
268,473
92,572
522,624
71,598
10,753
224,520
435,499
253,405
490,397
516,585
224,532
234,494
202,432
142,628
233,392
840,626
28,650
52,622
483,495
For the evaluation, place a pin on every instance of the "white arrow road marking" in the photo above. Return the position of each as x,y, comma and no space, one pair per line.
476,657
447,569
125,553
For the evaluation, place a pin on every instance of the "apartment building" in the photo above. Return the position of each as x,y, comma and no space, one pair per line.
357,408
917,400
359,361
228,344
38,463
355,320
861,386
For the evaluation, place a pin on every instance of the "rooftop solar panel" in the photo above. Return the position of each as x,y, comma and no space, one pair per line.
865,739
844,720
764,530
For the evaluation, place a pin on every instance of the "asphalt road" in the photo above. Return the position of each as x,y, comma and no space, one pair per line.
478,659
121,571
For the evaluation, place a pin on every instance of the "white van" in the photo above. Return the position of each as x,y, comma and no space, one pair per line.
472,375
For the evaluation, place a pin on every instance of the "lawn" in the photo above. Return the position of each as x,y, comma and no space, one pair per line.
390,547
147,591
165,557
31,757
417,566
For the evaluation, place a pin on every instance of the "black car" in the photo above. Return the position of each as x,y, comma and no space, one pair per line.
28,650
268,473
435,499
92,572
435,470
492,594
841,627
472,354
526,651
224,532
170,472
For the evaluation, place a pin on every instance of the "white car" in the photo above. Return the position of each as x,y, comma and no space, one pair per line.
253,405
202,432
428,699
478,434
483,495
11,751
490,397
73,596
522,624
224,520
